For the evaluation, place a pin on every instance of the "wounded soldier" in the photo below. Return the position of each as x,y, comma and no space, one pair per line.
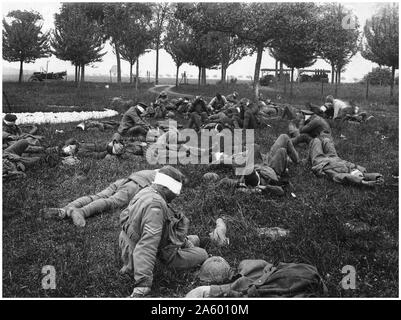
326,162
93,150
132,123
12,132
151,229
270,170
16,160
311,126
116,196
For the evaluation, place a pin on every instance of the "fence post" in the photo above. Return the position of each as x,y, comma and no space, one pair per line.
367,88
322,87
285,84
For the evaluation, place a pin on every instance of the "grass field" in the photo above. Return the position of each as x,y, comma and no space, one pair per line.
87,260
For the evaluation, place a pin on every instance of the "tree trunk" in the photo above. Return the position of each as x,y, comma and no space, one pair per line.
137,73
339,76
83,73
76,73
276,70
223,73
332,73
20,71
257,71
336,85
203,76
79,76
176,75
292,80
117,50
157,62
392,81
199,76
281,71
130,72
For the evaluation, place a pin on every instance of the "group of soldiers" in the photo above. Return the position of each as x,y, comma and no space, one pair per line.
150,227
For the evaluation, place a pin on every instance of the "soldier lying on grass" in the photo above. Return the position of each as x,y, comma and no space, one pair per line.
326,162
116,196
21,155
151,228
310,126
269,171
12,132
93,150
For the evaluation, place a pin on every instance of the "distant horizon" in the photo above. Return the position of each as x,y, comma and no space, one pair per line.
242,69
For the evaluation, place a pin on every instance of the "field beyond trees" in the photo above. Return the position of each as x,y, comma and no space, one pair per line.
87,260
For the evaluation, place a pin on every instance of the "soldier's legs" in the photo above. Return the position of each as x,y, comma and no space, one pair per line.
328,147
288,113
278,161
188,258
284,141
315,149
18,148
106,193
301,138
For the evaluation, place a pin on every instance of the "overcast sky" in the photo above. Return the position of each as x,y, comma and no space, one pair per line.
356,69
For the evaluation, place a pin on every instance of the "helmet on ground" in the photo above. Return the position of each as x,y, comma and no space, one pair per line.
215,270
210,177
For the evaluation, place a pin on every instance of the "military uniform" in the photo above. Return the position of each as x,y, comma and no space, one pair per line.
132,124
117,195
313,127
151,229
326,162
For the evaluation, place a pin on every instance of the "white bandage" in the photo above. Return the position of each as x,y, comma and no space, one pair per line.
323,108
168,182
357,173
9,123
140,108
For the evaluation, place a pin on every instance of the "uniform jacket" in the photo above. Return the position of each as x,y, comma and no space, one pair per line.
150,228
130,119
216,104
337,169
258,278
10,130
315,126
198,106
338,105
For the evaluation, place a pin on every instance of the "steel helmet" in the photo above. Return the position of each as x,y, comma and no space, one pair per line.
210,177
215,270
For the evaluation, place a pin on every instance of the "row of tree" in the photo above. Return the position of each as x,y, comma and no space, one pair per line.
206,35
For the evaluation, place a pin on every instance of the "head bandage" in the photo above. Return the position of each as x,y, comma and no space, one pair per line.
9,123
356,173
168,182
70,149
323,108
140,108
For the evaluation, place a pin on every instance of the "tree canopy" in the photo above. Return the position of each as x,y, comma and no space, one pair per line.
23,39
380,43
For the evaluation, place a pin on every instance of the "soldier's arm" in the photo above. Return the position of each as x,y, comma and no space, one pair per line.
146,249
309,127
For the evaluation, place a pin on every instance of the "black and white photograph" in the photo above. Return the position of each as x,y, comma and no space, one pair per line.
188,151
